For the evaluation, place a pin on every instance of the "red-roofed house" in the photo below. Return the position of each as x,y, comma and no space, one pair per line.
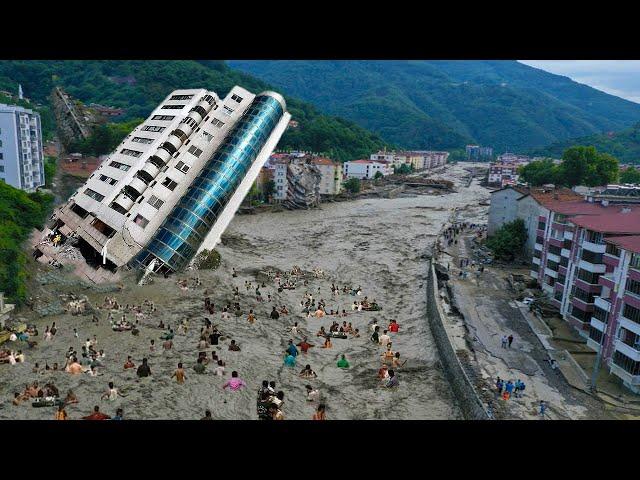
331,175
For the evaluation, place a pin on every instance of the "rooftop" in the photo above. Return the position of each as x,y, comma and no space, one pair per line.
323,161
555,199
629,242
613,219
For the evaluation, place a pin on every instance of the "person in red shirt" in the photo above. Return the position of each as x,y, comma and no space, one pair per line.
97,415
394,327
304,345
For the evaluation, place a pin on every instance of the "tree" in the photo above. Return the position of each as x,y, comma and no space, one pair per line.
585,166
269,189
539,172
508,241
403,169
630,175
378,175
352,185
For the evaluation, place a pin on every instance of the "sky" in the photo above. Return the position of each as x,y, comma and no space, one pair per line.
617,77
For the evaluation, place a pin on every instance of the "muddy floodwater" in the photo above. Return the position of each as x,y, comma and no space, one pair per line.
377,244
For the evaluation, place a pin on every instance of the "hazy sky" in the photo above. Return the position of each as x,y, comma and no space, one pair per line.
617,77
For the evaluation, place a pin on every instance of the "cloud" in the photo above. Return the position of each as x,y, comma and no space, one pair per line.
616,77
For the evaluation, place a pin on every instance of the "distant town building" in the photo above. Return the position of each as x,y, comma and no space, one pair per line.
478,153
366,169
280,179
505,170
418,159
21,152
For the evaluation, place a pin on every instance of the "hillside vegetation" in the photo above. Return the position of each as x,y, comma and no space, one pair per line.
446,104
138,86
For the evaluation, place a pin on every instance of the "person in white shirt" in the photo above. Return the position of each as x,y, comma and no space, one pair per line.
219,370
20,357
384,339
111,393
313,394
225,315
374,325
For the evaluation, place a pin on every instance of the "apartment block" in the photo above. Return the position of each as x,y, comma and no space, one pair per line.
365,169
173,185
21,152
330,175
418,159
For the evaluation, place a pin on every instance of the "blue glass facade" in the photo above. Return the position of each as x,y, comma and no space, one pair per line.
185,228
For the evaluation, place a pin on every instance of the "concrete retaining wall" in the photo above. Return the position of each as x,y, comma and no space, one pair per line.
468,399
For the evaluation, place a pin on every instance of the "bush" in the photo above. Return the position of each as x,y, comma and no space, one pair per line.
352,185
509,240
207,260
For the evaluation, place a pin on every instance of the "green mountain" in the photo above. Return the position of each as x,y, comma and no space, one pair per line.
445,104
624,145
138,86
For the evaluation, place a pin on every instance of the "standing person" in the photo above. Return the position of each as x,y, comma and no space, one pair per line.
274,314
235,383
320,413
61,414
510,340
289,360
119,414
144,370
508,390
504,341
179,374
96,415
392,382
375,336
251,318
394,327
385,339
305,345
343,363
543,408
291,349
207,414
111,393
313,395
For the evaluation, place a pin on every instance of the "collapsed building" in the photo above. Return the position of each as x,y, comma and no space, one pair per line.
172,186
304,185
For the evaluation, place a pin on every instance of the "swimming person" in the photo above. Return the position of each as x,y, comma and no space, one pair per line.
343,363
179,374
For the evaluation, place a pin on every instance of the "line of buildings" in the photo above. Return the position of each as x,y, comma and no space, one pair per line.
585,253
21,151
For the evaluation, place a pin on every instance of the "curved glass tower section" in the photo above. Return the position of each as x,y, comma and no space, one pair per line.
179,237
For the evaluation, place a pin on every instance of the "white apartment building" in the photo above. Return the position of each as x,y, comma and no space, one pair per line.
365,169
331,176
280,179
21,153
174,183
418,159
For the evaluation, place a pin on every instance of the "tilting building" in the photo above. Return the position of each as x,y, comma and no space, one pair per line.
173,185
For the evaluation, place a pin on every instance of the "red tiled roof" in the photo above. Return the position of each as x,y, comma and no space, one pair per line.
629,242
611,220
552,199
323,161
521,190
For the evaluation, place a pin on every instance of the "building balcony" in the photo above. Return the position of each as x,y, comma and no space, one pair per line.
558,242
582,305
567,234
547,288
151,169
624,375
542,218
631,299
551,273
535,260
598,324
607,281
538,247
553,257
533,274
594,247
565,252
562,270
629,325
588,287
603,304
592,267
175,141
634,274
556,303
124,201
540,233
627,350
593,345
139,185
610,260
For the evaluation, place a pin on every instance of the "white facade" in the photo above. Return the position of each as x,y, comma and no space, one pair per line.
280,179
331,176
503,208
365,169
21,153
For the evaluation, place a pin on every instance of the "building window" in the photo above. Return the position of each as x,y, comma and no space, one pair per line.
207,136
181,97
153,128
172,107
109,180
236,98
142,140
209,99
1,168
612,250
189,121
131,153
165,118
226,110
93,194
588,277
103,228
217,123
183,167
195,151
140,221
170,184
633,286
155,202
1,156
